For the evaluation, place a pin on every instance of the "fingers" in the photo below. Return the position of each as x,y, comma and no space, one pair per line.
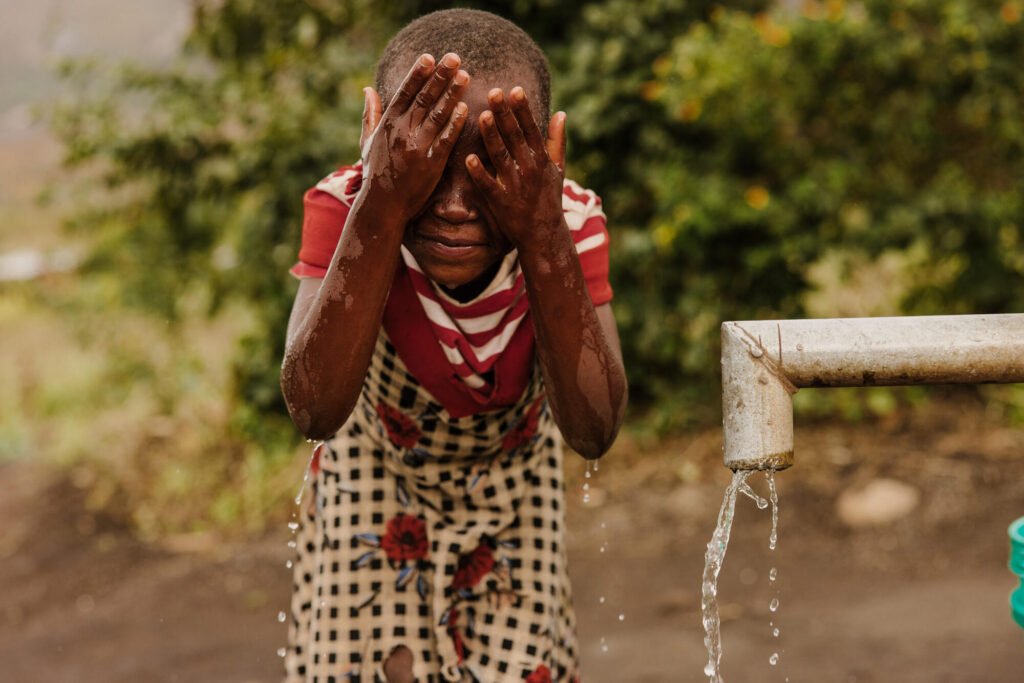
484,181
418,75
521,108
514,138
495,145
445,142
371,117
555,143
436,86
443,109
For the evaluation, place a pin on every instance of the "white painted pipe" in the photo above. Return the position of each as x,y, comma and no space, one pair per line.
765,362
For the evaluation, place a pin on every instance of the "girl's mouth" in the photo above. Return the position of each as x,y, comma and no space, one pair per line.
450,249
465,241
453,241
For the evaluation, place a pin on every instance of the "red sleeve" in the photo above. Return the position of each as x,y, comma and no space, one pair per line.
325,210
594,261
588,226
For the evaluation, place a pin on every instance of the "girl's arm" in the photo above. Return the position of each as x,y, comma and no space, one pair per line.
577,345
335,321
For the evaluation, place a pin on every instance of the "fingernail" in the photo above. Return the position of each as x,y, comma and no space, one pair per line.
426,60
450,60
518,94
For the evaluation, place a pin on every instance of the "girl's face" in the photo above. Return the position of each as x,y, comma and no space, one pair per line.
453,239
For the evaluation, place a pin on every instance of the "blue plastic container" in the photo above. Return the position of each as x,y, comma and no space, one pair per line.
1017,567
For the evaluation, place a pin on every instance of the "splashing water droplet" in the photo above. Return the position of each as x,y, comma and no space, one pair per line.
289,564
280,652
622,617
597,465
774,604
293,545
604,547
586,497
773,574
752,495
281,616
604,645
601,599
774,659
775,632
294,526
309,470
586,487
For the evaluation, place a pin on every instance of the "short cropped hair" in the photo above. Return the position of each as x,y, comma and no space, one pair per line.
488,45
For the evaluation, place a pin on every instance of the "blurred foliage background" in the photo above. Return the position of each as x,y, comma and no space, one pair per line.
756,159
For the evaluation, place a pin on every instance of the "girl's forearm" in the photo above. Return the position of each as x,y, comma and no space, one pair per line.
331,342
585,379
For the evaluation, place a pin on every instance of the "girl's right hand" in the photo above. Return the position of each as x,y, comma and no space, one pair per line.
405,148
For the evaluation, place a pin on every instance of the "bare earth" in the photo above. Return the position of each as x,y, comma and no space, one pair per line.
921,599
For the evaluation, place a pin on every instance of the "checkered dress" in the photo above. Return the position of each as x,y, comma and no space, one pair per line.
442,535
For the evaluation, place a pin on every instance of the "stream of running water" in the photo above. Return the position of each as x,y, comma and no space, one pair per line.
715,556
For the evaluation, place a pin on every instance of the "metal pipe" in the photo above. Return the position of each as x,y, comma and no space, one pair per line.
765,362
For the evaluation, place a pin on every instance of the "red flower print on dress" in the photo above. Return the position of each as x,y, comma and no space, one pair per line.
402,431
406,538
453,633
473,567
540,675
524,430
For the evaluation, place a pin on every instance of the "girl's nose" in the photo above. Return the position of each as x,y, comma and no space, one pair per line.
452,204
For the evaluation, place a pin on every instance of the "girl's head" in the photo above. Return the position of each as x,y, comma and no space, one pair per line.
452,239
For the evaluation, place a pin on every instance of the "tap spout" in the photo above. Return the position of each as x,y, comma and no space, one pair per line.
765,362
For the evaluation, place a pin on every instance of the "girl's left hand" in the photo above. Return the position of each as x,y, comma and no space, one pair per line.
524,196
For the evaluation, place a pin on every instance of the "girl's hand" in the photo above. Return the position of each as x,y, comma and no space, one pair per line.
405,148
524,196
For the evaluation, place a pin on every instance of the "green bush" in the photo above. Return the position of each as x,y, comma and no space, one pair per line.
734,148
859,127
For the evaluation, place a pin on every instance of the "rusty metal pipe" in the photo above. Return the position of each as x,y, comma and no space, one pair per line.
765,362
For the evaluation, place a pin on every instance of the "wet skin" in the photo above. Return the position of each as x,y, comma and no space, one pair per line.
460,173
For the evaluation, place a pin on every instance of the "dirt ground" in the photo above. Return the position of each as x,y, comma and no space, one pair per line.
923,598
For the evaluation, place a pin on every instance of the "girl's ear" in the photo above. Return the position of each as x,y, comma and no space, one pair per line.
371,117
556,140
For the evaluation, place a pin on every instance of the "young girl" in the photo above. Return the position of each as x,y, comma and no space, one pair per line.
452,318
